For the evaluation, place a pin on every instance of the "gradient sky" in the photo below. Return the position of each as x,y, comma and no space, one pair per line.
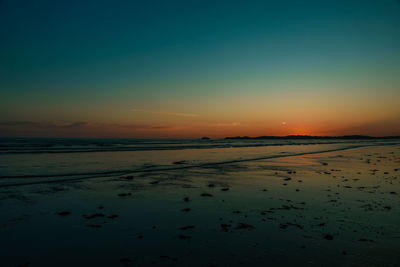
199,68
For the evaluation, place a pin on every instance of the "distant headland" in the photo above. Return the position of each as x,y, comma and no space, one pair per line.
314,137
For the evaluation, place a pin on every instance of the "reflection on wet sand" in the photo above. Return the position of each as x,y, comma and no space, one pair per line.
335,208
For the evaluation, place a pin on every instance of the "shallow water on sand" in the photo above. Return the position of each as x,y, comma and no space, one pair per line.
281,205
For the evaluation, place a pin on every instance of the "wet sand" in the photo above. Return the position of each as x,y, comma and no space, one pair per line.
338,208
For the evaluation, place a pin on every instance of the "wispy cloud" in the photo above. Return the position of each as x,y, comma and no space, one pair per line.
53,124
59,128
157,112
229,124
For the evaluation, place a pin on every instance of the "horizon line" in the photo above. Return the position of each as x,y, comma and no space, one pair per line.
352,136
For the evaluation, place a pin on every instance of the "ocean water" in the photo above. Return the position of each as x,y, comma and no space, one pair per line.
38,160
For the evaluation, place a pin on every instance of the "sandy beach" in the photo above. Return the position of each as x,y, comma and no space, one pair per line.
253,206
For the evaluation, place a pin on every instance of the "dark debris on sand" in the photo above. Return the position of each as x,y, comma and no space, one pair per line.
64,213
225,227
247,226
365,240
285,225
95,215
188,227
180,162
124,194
94,225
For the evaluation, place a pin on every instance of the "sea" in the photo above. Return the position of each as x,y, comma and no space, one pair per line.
45,160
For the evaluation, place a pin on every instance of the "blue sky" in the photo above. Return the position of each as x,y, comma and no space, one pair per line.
73,60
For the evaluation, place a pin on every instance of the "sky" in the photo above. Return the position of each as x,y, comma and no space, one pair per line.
187,69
